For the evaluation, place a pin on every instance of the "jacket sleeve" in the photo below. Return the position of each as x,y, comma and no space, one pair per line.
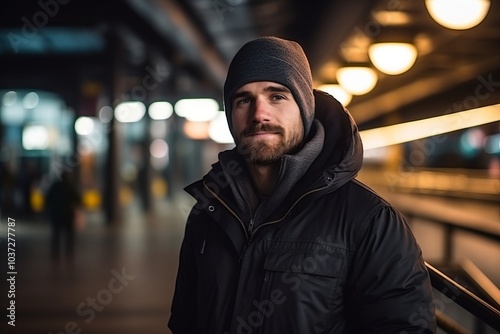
388,287
183,318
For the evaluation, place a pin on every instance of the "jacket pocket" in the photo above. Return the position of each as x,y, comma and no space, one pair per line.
303,274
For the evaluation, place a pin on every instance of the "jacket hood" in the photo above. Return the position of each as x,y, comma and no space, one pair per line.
342,154
332,156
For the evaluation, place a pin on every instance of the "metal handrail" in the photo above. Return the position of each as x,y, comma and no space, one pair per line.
490,292
448,324
463,297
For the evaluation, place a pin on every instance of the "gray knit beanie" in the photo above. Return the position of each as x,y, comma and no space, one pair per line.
277,60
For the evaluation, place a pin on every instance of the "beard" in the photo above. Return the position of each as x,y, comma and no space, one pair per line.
266,152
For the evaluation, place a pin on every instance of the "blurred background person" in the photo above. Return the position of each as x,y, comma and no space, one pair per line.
63,201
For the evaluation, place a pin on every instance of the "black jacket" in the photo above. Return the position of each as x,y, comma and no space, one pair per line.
323,254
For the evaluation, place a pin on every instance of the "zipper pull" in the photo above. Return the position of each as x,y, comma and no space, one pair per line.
249,232
250,227
202,250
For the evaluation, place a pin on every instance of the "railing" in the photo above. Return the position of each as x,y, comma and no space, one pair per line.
464,298
451,222
451,219
482,283
449,182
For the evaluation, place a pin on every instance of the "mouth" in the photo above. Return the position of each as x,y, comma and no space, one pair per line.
261,133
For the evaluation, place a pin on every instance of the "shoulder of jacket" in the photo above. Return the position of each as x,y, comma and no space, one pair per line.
356,192
378,211
364,205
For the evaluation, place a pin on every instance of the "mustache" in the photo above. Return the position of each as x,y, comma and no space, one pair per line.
262,127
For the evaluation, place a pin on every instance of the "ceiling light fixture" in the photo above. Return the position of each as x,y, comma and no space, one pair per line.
392,58
130,111
84,126
160,110
357,80
197,110
343,96
458,14
391,18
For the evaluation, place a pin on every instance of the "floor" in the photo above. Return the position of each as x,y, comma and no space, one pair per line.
119,281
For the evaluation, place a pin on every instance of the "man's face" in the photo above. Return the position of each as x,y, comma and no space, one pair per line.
266,122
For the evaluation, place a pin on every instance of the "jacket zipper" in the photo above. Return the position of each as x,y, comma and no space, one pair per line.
288,212
227,207
250,232
267,287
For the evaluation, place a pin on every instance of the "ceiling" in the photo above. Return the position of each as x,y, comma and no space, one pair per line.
52,43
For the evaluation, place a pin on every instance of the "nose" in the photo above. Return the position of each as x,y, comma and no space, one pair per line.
261,111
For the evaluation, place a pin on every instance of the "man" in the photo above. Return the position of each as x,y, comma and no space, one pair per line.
283,239
63,201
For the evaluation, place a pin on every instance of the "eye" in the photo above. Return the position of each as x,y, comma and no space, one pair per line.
241,101
277,97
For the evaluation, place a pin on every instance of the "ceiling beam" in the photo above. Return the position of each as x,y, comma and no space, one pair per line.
175,26
336,23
